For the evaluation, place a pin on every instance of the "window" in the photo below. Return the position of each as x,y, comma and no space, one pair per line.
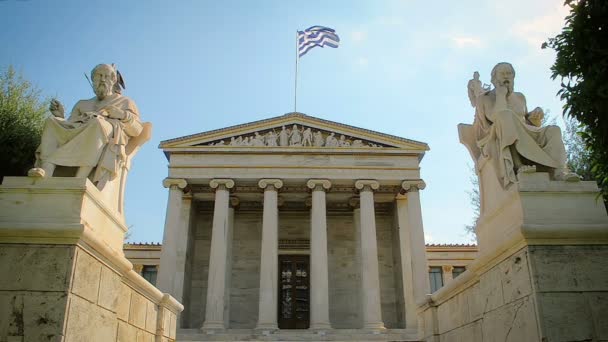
436,278
149,273
458,270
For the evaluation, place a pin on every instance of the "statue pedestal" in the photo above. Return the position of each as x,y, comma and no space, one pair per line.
542,269
63,273
538,211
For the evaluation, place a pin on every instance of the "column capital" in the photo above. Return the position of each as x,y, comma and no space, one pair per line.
175,182
265,183
318,184
367,185
447,268
217,183
413,185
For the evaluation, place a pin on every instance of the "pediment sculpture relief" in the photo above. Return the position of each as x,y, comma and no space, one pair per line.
295,136
98,139
506,134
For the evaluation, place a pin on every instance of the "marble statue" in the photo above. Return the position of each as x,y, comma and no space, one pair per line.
318,139
295,138
271,138
307,137
257,140
331,141
474,88
284,137
513,138
98,139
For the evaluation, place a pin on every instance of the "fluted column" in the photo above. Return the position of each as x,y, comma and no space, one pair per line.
268,305
370,278
218,256
319,289
175,239
415,232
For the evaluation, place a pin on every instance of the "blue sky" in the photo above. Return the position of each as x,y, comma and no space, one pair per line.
193,66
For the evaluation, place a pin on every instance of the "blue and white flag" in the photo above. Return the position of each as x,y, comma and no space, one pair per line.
316,36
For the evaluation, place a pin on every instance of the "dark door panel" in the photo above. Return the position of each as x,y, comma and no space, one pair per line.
294,292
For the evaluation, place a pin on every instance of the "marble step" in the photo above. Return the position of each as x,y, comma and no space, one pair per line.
350,335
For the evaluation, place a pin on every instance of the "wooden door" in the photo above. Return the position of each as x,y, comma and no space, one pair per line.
294,292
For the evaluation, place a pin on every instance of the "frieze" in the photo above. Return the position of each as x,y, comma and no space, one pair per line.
296,136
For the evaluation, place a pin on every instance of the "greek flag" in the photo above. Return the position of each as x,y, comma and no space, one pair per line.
316,36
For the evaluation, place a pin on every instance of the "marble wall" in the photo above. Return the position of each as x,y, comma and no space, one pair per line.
540,293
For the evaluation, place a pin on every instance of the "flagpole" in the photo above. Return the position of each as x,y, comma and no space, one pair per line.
295,88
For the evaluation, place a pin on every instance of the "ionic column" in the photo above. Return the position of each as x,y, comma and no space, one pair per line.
405,251
218,256
268,305
234,202
175,239
415,232
447,273
370,278
319,295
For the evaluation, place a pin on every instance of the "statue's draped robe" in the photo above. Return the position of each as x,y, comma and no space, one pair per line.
496,132
91,141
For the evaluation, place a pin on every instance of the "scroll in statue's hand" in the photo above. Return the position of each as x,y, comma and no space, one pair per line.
56,108
114,112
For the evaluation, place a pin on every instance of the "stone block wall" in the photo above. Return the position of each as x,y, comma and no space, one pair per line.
539,293
66,293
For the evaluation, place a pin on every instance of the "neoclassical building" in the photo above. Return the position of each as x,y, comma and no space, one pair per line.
294,222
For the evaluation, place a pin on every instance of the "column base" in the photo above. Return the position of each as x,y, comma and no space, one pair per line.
266,327
320,326
210,327
374,326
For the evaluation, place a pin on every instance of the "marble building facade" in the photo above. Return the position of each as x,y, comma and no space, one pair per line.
294,222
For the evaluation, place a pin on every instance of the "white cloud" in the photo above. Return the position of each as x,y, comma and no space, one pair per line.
536,30
462,42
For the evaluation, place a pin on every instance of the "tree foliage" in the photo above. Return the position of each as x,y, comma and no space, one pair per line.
582,65
22,114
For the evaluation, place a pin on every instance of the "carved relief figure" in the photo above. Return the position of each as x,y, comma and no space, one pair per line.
271,138
511,136
318,139
99,137
295,136
331,141
307,137
257,140
343,142
284,137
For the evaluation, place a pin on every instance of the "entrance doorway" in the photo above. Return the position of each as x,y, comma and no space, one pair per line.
294,292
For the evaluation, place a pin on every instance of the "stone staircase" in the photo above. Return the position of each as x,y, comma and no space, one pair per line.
350,335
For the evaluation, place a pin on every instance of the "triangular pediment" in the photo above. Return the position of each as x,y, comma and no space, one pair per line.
293,130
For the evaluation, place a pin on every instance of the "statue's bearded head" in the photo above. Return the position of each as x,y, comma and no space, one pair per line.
503,74
103,77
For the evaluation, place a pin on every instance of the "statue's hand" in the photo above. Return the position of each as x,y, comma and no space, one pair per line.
501,91
536,116
56,108
115,113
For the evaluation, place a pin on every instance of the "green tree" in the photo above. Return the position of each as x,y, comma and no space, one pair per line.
582,65
22,114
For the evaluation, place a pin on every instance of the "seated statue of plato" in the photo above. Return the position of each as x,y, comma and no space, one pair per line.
97,139
513,138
